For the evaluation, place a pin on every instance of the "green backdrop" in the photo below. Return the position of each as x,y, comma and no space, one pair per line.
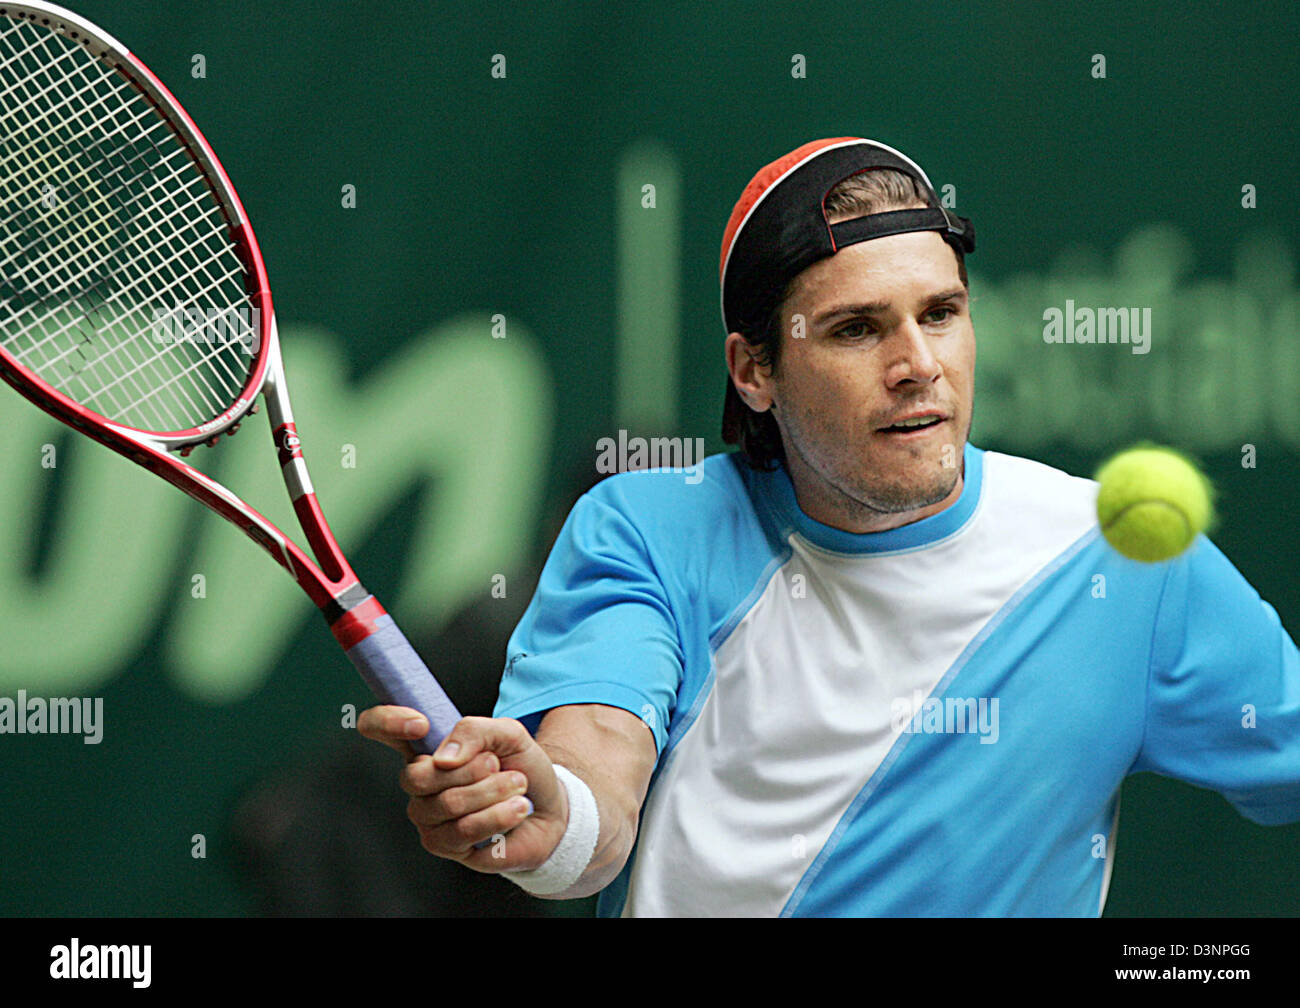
472,290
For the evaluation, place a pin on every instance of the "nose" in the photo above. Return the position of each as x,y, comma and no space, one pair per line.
913,356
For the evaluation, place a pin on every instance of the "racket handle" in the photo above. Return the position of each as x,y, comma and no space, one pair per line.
396,675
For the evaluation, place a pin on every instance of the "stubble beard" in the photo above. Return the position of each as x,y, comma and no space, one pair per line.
894,498
866,499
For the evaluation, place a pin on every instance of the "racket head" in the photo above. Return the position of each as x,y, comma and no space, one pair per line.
133,296
143,215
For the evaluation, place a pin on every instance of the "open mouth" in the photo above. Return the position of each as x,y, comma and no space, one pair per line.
913,426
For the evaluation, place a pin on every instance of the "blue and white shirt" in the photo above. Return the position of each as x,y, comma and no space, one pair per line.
931,720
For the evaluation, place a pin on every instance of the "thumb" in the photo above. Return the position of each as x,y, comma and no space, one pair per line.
505,737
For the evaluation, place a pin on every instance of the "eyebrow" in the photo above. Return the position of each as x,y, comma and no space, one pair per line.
880,307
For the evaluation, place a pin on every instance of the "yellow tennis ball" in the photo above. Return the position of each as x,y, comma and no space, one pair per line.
1153,502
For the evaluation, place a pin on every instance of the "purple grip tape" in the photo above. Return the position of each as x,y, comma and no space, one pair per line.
396,675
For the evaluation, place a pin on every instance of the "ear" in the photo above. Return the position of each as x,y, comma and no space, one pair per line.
753,382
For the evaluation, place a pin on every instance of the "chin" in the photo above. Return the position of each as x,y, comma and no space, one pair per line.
896,498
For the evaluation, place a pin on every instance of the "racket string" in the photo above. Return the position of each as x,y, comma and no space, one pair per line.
79,349
215,357
101,199
136,240
177,282
85,324
76,320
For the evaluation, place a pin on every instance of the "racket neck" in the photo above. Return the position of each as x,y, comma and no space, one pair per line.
353,617
293,468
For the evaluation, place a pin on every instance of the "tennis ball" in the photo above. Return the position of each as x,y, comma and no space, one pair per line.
1153,502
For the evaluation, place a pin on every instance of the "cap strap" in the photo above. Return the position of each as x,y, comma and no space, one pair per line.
893,222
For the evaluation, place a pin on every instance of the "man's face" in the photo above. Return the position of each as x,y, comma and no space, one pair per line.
887,335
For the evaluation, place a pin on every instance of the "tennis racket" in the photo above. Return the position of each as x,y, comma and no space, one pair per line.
134,305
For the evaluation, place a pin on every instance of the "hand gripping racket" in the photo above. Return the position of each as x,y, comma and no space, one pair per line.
134,305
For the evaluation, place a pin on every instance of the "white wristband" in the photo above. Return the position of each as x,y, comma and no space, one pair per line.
573,853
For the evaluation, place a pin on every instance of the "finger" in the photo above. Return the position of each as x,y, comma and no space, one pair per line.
393,726
460,802
472,735
458,837
422,776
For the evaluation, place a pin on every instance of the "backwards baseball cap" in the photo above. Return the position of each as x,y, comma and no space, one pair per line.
779,227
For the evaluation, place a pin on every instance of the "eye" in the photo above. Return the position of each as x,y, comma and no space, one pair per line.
941,314
856,330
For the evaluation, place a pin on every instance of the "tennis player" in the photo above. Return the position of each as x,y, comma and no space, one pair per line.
862,667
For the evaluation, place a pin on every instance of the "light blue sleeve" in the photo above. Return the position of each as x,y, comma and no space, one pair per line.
600,627
1223,702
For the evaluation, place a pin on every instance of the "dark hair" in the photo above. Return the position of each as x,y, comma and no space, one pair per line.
873,191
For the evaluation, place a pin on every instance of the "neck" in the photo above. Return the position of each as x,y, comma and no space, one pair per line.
826,503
